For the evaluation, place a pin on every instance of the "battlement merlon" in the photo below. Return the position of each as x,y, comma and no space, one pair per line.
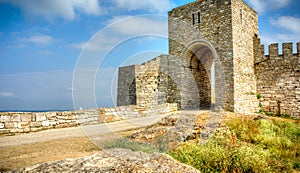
273,50
287,49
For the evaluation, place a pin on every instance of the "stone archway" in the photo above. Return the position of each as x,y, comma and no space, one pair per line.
199,64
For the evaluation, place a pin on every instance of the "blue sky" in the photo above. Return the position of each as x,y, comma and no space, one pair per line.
44,51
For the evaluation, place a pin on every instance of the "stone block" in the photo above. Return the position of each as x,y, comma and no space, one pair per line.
45,123
50,114
4,118
2,126
35,129
36,124
10,125
40,117
26,117
52,123
22,125
33,117
16,117
4,131
26,130
17,130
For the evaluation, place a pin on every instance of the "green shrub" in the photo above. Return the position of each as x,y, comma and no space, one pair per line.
213,157
259,96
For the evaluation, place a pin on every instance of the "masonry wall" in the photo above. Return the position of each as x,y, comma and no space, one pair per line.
22,122
244,30
147,79
149,84
278,78
215,26
126,86
18,122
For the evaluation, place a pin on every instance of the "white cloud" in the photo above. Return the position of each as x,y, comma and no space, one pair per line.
140,25
159,6
120,27
40,39
68,9
36,38
280,38
263,5
98,44
51,9
287,22
6,94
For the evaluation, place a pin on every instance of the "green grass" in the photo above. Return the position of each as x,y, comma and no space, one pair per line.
246,146
132,145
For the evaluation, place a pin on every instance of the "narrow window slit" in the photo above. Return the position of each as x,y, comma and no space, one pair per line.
241,15
193,16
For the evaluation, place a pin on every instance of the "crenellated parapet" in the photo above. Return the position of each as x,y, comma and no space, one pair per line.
278,77
273,51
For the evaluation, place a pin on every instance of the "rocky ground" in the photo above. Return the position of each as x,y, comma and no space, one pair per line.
114,160
172,130
167,134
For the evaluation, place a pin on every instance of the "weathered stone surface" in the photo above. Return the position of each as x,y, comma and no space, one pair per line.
114,160
172,130
16,117
45,123
26,117
4,131
40,117
2,125
4,118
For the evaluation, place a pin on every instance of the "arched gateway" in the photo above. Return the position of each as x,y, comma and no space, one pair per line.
210,61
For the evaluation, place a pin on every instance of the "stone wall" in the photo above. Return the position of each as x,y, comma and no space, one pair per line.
278,78
244,30
204,28
148,84
124,112
22,122
18,122
126,86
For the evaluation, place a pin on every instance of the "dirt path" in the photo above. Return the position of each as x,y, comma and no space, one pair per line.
75,132
13,157
28,149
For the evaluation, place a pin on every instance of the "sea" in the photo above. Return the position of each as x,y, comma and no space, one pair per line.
34,110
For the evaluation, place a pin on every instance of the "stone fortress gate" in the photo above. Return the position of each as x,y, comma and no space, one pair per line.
215,58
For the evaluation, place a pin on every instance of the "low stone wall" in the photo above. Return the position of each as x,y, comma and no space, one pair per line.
24,122
124,112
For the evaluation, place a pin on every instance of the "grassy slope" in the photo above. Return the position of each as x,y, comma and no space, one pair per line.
246,145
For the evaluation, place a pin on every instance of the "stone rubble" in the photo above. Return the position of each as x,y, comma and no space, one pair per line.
172,130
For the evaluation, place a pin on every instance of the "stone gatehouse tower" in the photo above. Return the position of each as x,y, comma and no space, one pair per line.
213,50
